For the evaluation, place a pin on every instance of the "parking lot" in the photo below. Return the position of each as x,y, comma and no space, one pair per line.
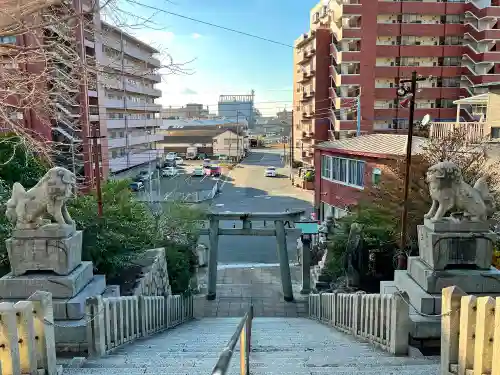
170,188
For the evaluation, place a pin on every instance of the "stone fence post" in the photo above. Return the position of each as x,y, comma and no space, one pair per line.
96,336
400,324
43,319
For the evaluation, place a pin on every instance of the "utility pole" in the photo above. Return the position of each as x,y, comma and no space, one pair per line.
411,91
96,154
358,114
237,136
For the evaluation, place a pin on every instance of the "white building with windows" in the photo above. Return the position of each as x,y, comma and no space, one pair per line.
129,73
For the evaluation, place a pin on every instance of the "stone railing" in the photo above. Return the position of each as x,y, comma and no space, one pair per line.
470,333
382,319
113,322
27,336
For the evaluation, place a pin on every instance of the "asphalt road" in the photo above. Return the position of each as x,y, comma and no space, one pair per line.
246,189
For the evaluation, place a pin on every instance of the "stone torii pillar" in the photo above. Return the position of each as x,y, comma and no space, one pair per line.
279,232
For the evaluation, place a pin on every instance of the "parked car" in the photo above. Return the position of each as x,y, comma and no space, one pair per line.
171,156
143,176
206,163
136,186
169,172
179,161
213,170
197,172
270,172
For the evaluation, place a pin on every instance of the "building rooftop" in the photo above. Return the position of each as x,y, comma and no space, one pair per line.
183,123
375,145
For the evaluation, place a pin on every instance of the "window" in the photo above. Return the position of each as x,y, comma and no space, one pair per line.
376,176
344,171
7,40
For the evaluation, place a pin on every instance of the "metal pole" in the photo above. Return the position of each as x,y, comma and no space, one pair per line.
237,136
358,115
149,169
404,219
97,168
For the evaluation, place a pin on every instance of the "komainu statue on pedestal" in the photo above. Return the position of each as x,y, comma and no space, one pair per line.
448,190
26,209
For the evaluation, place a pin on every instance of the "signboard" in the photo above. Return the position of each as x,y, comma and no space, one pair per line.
307,227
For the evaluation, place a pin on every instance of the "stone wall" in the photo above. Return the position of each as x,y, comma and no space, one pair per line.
154,281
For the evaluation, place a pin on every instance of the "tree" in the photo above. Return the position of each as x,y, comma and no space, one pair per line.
379,230
44,71
472,159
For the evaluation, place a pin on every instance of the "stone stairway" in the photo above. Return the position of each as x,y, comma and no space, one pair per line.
280,346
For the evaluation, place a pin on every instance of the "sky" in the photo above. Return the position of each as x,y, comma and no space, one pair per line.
218,62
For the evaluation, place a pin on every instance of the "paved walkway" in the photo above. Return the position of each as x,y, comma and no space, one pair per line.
240,285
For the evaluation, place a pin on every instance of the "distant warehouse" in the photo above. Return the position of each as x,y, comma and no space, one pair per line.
179,135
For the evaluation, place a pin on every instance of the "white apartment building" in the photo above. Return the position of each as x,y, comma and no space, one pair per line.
130,71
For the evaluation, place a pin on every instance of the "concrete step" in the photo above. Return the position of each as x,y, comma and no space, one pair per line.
279,346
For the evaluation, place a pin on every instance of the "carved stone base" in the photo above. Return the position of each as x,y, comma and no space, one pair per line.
447,250
53,247
60,286
470,281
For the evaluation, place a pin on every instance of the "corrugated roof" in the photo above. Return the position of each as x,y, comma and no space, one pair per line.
376,144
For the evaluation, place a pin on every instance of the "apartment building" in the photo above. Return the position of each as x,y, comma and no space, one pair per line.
68,123
311,120
130,71
189,111
455,43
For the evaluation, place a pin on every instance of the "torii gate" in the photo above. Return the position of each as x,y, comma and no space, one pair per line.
279,219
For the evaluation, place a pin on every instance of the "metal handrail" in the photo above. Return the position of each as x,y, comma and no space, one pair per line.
243,333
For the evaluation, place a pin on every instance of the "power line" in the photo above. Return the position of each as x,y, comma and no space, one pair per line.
212,24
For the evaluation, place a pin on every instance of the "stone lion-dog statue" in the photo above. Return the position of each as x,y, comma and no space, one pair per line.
27,209
448,190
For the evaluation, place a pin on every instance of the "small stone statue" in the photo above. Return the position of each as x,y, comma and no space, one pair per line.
26,209
448,190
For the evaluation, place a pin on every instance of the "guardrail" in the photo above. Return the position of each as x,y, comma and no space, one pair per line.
243,333
381,319
470,333
27,336
116,321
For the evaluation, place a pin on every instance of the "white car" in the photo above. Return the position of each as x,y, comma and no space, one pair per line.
171,156
270,172
179,161
169,172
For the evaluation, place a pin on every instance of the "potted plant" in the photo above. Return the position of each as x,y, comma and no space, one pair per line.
309,180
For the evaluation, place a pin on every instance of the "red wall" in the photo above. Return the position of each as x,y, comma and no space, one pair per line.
339,195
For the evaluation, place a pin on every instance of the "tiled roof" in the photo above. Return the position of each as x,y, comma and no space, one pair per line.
381,144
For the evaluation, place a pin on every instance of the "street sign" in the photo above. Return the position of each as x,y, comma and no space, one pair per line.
307,227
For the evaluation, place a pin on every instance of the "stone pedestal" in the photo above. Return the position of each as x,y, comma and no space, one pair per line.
450,253
53,247
49,259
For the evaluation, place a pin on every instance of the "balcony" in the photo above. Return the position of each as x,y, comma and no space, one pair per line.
117,85
482,34
405,71
131,50
134,140
123,162
306,37
491,11
474,132
119,103
132,123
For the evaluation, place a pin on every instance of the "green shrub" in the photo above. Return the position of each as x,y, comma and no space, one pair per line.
379,229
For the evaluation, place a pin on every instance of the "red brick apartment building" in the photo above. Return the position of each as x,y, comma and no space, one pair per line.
346,168
374,43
